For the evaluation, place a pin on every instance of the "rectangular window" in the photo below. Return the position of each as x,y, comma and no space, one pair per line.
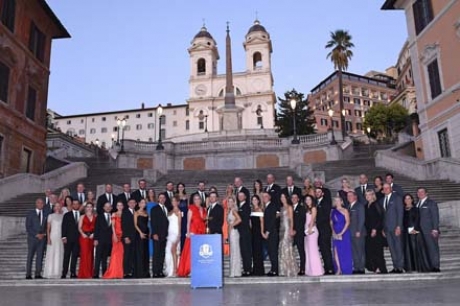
92,131
31,103
163,119
8,14
103,118
260,120
4,82
323,122
435,80
127,128
201,125
349,126
346,99
358,113
93,120
138,116
359,126
138,127
26,159
69,122
357,101
174,123
187,125
81,132
187,111
82,120
335,123
163,133
104,130
37,42
444,145
115,128
174,112
423,14
150,115
150,126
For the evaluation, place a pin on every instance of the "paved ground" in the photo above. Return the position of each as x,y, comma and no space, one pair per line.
385,293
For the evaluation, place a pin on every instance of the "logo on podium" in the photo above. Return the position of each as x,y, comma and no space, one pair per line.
205,251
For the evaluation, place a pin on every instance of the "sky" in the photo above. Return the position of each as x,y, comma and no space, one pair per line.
121,55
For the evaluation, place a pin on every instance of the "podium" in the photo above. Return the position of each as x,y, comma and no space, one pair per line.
206,261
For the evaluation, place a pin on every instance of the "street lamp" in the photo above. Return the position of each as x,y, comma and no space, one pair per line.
160,113
123,124
369,139
330,112
113,139
293,103
97,150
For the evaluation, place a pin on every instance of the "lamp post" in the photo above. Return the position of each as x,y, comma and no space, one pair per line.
97,150
160,114
113,140
206,123
118,131
330,112
293,103
123,124
369,138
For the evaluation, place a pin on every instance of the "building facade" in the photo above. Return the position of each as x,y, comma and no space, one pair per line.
27,28
434,46
253,90
360,93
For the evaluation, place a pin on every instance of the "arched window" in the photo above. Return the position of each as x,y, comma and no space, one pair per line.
221,93
201,66
237,91
257,60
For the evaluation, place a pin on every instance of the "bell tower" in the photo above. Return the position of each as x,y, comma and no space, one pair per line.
258,47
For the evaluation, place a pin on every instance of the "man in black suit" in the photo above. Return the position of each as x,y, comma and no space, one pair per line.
169,194
47,203
429,225
271,232
238,184
36,238
362,188
159,224
215,215
128,236
125,196
300,216
201,191
357,231
108,196
389,179
103,239
323,223
290,189
273,189
140,193
48,208
318,183
244,229
70,238
80,193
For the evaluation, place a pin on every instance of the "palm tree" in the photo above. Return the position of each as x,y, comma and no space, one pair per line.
340,54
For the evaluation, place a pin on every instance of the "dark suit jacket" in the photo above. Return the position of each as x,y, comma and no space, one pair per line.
136,195
102,199
275,192
296,191
127,224
357,219
429,216
33,224
74,196
323,217
359,192
195,193
300,217
394,214
122,197
245,213
246,192
270,220
159,222
70,227
168,202
216,216
398,190
327,194
103,231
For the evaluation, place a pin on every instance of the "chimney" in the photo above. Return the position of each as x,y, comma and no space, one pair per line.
143,105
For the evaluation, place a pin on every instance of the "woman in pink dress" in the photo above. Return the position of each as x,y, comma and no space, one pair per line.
313,265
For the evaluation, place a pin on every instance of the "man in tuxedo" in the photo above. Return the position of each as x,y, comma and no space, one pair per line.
140,193
300,216
393,208
48,208
358,232
129,234
36,238
201,191
273,189
169,194
70,238
103,239
290,189
215,215
108,196
238,184
323,223
318,183
159,225
244,229
429,225
125,196
389,178
48,193
271,232
80,193
363,187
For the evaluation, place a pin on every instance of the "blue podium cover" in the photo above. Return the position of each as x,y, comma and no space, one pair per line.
206,262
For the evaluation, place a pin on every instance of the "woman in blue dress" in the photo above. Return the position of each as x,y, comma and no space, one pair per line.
151,202
183,207
340,222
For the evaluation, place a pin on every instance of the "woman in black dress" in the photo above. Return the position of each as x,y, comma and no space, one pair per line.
141,259
375,260
415,255
257,224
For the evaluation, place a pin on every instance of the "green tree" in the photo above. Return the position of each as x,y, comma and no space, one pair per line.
304,118
340,55
385,121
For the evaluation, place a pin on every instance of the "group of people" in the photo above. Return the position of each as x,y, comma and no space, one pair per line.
302,230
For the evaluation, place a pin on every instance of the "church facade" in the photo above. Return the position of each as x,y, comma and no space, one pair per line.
250,93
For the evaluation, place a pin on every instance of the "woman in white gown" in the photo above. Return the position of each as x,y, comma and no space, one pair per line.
233,219
55,247
172,242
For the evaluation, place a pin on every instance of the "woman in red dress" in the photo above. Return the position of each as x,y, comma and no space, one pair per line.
115,269
86,228
195,226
